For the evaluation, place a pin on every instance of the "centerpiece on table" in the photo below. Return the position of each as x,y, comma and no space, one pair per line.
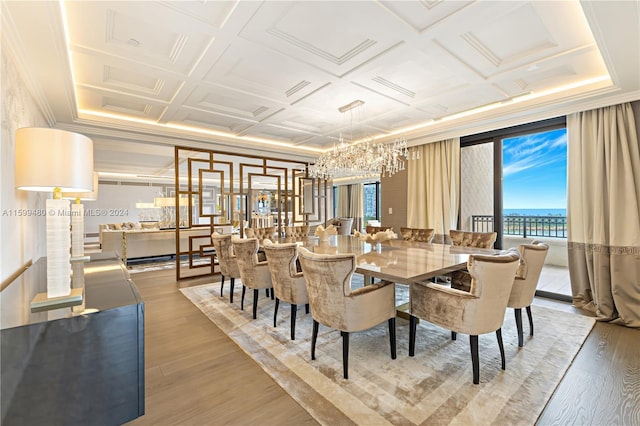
324,233
378,237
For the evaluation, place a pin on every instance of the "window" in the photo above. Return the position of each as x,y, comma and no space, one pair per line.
371,201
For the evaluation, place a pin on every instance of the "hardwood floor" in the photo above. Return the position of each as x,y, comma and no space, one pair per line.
195,374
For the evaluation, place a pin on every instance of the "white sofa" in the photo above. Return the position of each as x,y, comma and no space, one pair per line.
132,243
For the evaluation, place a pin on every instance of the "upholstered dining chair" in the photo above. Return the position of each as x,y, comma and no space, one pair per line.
479,311
375,229
343,225
227,261
300,231
461,280
255,274
532,257
417,234
335,304
260,233
288,283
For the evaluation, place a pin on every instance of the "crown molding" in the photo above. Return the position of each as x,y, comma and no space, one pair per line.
168,138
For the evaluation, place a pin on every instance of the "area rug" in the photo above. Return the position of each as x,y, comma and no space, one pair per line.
434,387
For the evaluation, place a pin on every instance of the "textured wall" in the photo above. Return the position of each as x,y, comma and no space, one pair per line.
476,186
23,237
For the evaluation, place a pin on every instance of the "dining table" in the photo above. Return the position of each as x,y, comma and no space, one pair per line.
395,260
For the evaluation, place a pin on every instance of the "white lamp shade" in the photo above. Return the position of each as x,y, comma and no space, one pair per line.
84,196
52,158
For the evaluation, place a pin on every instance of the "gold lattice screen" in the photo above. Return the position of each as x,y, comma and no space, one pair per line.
217,191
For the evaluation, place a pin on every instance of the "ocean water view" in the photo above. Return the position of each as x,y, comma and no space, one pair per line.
534,212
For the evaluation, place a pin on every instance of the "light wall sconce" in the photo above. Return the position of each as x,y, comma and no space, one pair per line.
77,216
53,160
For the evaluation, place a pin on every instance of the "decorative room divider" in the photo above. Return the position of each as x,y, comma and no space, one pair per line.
219,191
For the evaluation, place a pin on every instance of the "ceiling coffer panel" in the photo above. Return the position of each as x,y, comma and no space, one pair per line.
229,102
106,102
212,121
313,33
137,32
247,68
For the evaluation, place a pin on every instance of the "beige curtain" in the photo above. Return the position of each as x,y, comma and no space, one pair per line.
433,189
351,203
342,203
603,213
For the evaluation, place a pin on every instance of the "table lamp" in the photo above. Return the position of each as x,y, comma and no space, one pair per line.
77,216
53,160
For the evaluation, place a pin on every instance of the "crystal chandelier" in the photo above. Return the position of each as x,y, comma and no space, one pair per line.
363,158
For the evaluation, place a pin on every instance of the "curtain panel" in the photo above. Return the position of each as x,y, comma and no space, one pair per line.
350,203
433,189
603,213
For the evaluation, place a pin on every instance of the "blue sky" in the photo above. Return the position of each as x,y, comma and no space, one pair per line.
535,171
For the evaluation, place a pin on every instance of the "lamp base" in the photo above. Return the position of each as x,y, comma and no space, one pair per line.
43,303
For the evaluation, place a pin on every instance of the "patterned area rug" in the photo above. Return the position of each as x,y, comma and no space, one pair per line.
434,387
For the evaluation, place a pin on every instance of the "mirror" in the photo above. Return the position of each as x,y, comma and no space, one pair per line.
307,195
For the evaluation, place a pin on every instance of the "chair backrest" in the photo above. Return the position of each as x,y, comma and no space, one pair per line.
224,252
375,229
328,279
532,257
491,282
260,233
254,273
296,231
473,239
288,283
346,224
417,234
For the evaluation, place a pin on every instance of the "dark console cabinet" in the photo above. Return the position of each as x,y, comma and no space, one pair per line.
84,367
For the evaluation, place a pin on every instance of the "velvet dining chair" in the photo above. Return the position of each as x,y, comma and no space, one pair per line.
532,257
335,304
288,283
254,273
478,311
227,260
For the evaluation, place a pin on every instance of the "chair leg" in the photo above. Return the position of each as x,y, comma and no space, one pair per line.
530,320
475,362
255,303
266,291
306,308
501,346
518,314
454,335
244,289
221,286
275,312
294,311
392,336
314,336
412,334
345,354
272,293
233,281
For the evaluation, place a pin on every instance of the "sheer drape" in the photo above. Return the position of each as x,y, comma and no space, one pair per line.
351,203
357,205
604,213
433,190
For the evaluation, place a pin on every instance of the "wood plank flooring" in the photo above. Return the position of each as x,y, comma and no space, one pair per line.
195,374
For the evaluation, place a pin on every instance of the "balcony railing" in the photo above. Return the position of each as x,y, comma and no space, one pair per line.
525,226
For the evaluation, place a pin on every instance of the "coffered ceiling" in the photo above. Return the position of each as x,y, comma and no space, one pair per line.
268,77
